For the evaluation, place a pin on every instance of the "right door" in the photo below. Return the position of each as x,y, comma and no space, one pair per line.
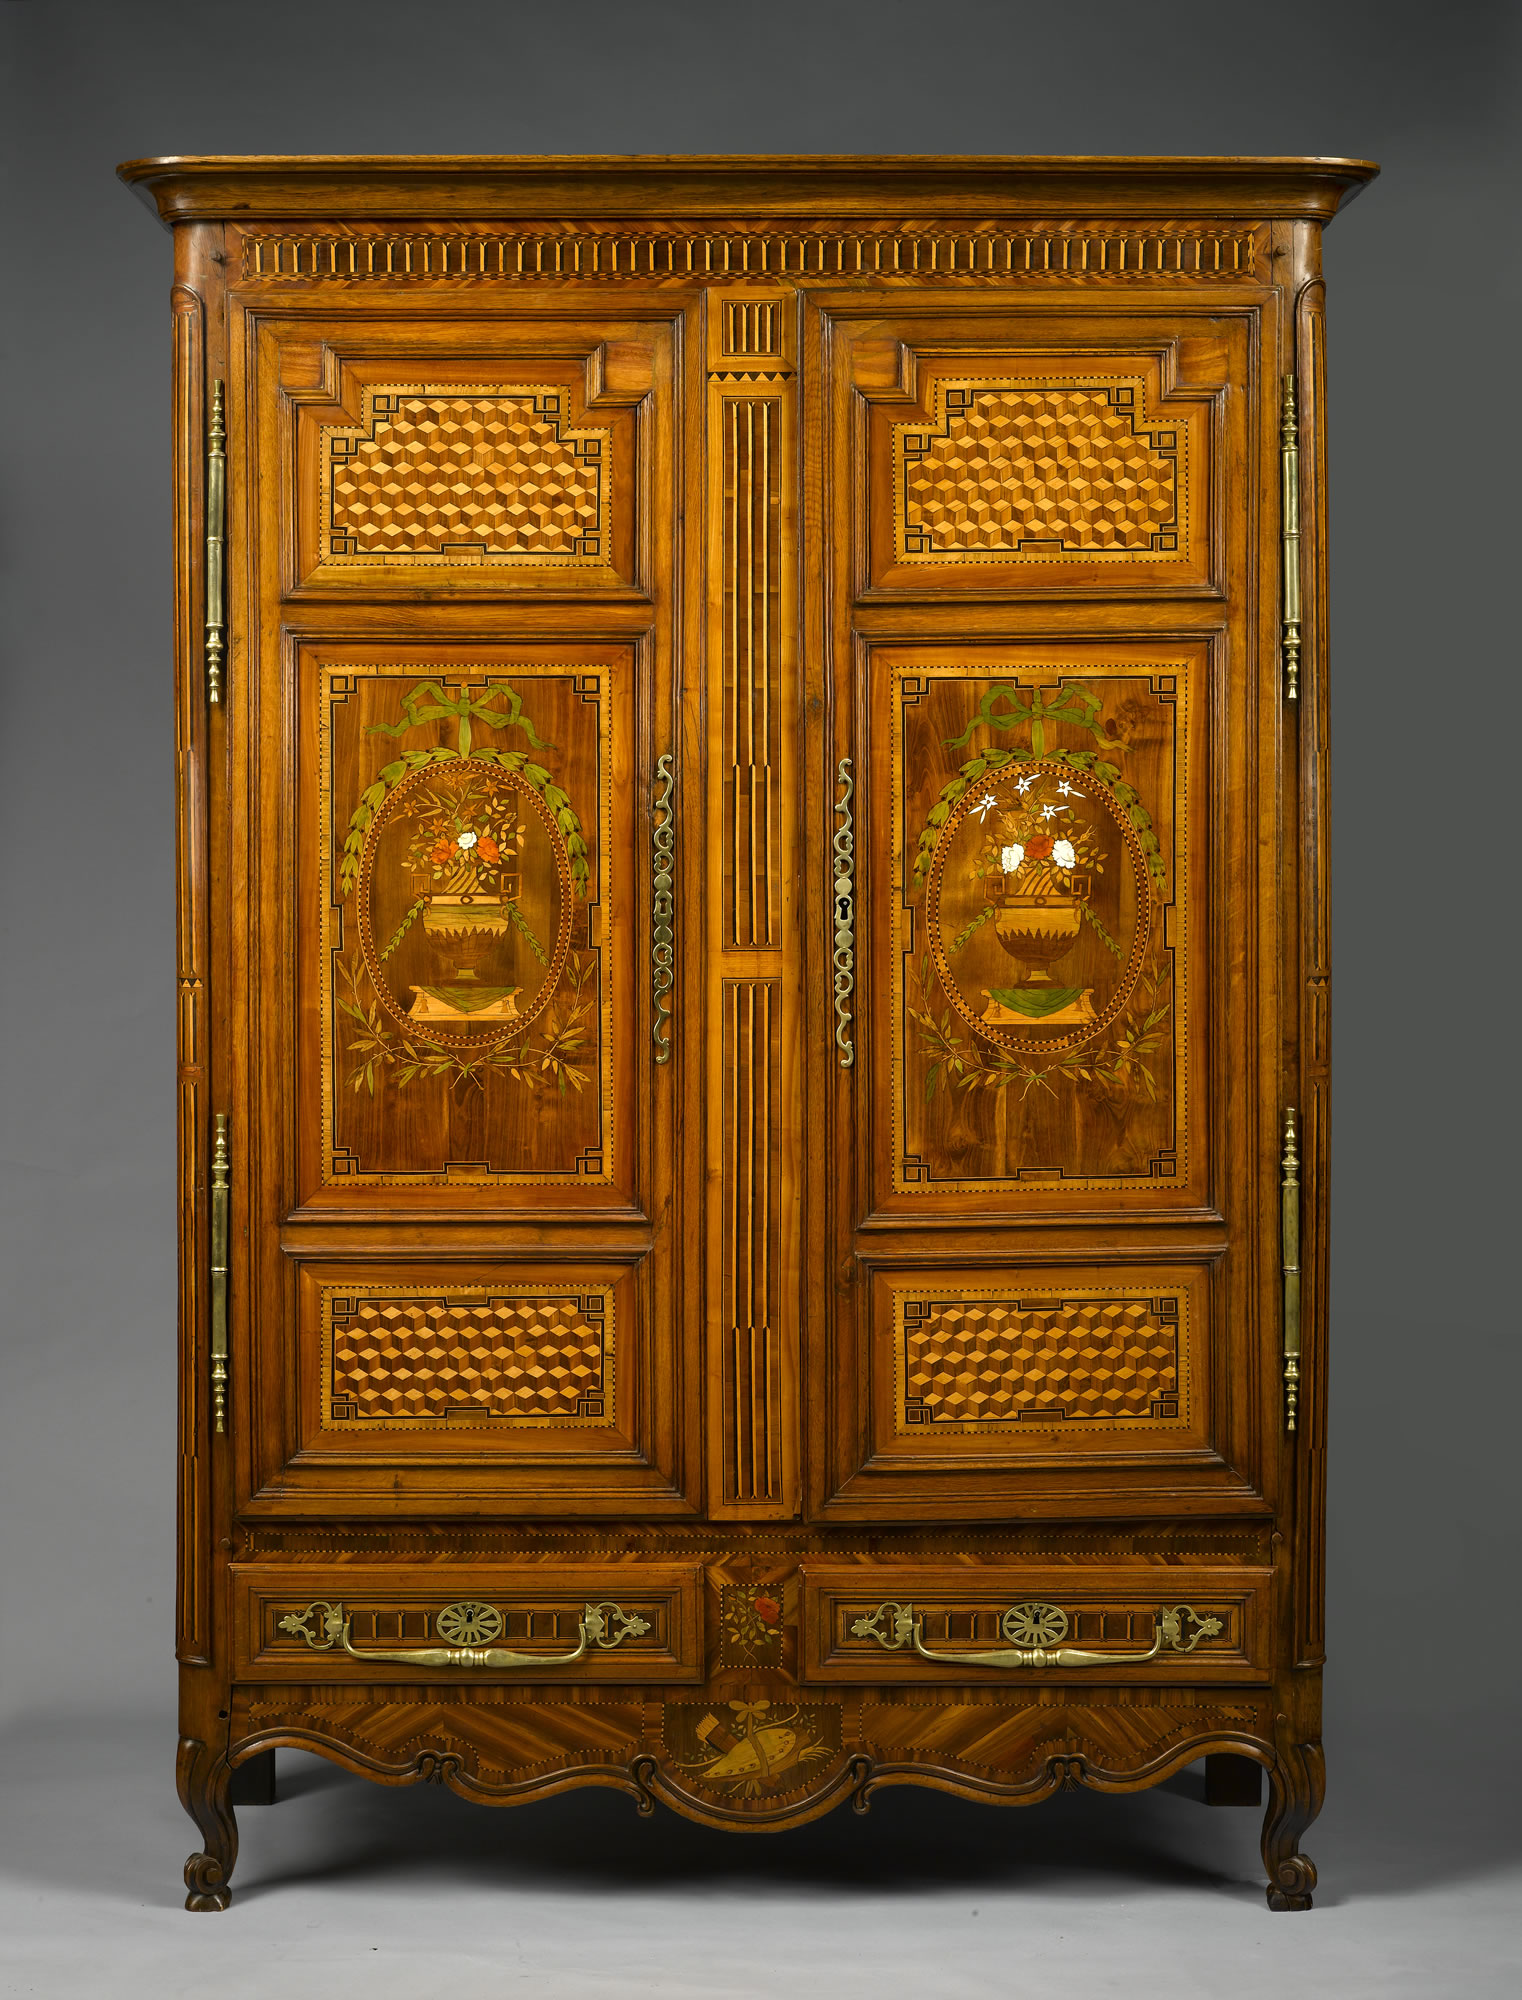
1050,1144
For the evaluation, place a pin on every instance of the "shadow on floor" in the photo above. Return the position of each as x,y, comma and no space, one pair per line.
72,1784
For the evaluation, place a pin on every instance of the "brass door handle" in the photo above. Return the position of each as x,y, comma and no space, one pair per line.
604,1625
663,908
897,1625
843,913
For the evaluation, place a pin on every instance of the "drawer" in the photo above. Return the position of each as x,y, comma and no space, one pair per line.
566,1623
880,1624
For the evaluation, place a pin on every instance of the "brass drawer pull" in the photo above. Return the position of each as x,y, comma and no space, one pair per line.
896,1625
604,1625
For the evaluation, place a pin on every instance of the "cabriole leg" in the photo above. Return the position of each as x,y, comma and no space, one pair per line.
203,1778
1297,1785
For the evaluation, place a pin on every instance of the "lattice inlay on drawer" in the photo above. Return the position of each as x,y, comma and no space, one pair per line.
403,1357
1039,471
464,474
1001,1362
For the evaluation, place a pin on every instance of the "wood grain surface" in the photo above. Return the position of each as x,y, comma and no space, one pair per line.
926,516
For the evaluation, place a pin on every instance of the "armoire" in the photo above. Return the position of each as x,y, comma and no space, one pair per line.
752,978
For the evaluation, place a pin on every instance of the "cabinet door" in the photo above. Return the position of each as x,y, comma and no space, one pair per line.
455,1149
1050,1145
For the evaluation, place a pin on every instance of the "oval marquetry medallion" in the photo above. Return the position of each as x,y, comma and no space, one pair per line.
464,904
1038,906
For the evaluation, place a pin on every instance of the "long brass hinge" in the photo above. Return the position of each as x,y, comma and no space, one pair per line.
220,1166
216,544
1289,456
1290,1235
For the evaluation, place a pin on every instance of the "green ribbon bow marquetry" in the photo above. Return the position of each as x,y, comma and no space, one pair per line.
1034,706
1034,1001
463,709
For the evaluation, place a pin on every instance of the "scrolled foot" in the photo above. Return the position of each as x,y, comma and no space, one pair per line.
204,1880
203,1778
1296,1880
1297,1785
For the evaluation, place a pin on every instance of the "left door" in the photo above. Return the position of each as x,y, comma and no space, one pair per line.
453,1169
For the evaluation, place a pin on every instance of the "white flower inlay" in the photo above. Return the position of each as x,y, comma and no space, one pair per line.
1062,853
1067,791
1011,857
985,806
467,841
1023,785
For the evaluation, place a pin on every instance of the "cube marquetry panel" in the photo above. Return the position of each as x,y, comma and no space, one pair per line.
492,473
1037,469
1066,1361
400,1358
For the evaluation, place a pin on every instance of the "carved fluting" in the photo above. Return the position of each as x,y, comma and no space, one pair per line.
1037,469
752,573
1297,1785
1004,1361
752,1442
418,1361
844,913
1077,252
491,473
751,328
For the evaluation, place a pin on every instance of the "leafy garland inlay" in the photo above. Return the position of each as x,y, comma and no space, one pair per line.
465,855
1039,856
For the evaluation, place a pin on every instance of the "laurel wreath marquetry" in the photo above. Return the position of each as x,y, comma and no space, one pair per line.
376,1047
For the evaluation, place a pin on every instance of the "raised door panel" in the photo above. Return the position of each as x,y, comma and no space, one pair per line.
1008,454
1013,1381
452,457
1035,935
467,898
453,1384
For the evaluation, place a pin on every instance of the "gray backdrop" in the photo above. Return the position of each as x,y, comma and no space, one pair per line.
1423,1621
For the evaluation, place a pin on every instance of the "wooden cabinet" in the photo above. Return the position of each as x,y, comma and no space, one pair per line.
753,976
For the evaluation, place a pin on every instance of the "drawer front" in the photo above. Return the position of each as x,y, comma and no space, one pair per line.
988,1627
554,1623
